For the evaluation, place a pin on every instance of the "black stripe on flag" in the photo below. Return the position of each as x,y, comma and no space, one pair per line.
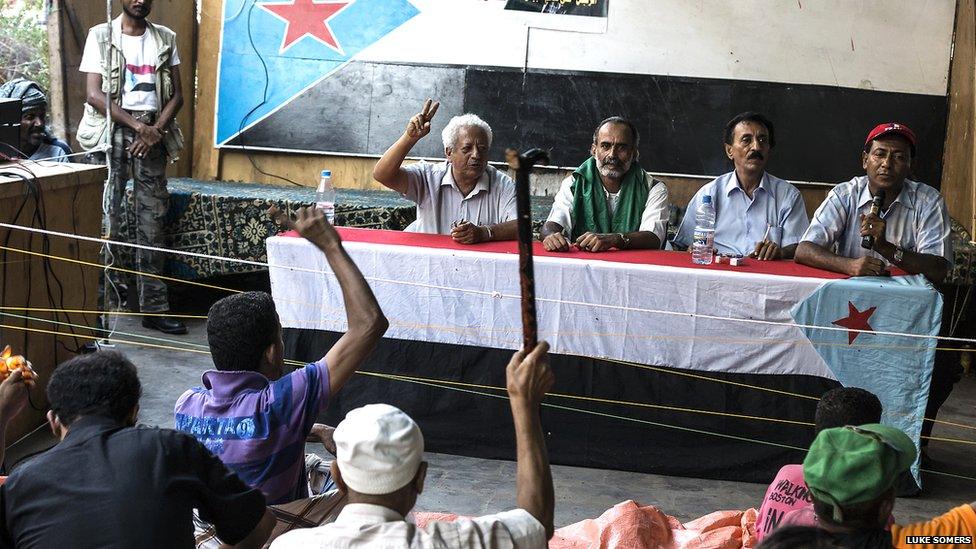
144,87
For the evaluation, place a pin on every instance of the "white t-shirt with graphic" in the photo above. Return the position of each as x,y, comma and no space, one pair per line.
140,53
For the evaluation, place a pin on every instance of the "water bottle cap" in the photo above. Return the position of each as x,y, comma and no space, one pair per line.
326,173
707,199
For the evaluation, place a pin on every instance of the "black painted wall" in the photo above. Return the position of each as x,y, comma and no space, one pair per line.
819,129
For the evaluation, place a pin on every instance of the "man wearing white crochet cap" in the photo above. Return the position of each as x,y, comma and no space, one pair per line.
379,463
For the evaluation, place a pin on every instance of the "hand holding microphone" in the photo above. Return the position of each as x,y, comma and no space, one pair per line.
872,226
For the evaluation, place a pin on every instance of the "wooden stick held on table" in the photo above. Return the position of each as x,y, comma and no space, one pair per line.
522,163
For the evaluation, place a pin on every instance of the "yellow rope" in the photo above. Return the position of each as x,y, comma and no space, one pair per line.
142,337
602,414
479,329
635,404
612,360
120,269
142,273
706,378
468,385
611,401
944,439
558,395
298,363
435,383
509,333
93,338
489,329
90,312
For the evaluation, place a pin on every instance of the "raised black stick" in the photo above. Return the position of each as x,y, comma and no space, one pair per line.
522,163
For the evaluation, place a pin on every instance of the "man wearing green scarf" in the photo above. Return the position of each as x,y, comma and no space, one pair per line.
609,201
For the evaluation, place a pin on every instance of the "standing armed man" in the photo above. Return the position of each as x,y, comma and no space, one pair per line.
139,69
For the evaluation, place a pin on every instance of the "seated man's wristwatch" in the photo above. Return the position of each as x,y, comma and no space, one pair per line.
624,241
898,255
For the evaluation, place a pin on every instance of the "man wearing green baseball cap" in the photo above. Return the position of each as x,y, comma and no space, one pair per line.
851,472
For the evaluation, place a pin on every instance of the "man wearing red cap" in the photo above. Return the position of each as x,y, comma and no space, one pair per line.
910,230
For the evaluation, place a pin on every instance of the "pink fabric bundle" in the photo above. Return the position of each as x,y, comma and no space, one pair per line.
630,525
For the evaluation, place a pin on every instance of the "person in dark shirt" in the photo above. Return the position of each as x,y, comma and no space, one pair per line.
13,398
109,483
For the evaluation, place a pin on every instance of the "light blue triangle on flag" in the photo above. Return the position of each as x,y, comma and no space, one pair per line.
895,368
251,42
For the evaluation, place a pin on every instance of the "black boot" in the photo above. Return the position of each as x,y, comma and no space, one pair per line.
164,324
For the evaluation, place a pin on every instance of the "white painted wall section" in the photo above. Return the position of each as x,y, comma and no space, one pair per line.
886,45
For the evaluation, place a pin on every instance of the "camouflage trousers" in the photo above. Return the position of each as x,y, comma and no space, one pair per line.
150,203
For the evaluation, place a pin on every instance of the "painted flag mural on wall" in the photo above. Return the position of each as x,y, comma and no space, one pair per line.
344,76
273,50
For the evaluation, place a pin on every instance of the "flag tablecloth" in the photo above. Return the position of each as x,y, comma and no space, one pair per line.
757,325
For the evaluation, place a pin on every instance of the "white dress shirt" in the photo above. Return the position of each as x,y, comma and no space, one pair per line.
373,526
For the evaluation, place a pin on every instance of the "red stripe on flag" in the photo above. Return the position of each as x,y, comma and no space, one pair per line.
142,69
649,257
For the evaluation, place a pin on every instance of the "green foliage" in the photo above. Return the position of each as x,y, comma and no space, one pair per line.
23,41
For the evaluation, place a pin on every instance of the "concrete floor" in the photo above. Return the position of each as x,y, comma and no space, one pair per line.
478,486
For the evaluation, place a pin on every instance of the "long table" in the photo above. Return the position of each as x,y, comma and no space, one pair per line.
67,198
228,219
662,366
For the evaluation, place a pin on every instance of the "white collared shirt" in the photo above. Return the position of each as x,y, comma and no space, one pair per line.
740,221
917,220
440,204
654,219
364,525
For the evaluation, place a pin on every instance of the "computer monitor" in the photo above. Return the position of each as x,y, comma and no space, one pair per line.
10,115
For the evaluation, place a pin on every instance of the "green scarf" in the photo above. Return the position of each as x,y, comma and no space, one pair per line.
590,202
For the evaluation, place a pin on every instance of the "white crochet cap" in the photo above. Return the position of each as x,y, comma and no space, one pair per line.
378,449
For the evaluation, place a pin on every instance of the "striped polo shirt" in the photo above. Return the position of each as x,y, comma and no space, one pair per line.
440,203
917,220
258,427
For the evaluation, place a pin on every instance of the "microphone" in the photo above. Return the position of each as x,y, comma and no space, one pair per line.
867,242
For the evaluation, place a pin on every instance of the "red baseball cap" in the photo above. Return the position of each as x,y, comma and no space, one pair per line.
892,127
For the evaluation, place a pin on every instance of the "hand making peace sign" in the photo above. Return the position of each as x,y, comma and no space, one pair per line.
419,125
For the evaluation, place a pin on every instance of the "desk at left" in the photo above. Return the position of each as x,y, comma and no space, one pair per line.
36,288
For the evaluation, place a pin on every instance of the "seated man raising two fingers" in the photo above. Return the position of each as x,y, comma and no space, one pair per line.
463,196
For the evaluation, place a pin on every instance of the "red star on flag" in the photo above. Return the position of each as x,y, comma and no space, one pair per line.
307,17
855,320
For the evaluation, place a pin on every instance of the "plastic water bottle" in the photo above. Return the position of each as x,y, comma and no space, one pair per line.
325,196
703,245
